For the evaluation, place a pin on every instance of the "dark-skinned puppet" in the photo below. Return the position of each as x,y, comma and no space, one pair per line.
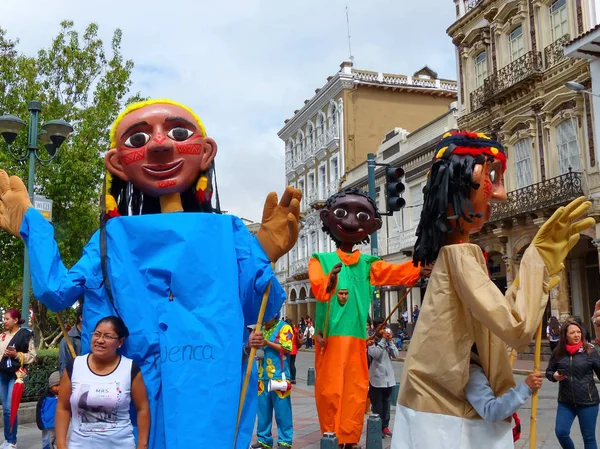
463,307
186,283
342,375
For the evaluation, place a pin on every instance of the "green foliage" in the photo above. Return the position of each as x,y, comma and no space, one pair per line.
36,383
81,81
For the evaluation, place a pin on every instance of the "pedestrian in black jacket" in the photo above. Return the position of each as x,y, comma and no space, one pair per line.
573,365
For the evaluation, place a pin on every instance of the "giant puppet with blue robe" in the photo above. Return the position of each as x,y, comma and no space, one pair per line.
186,282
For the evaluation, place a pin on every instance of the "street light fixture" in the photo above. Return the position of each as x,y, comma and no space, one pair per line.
52,136
578,87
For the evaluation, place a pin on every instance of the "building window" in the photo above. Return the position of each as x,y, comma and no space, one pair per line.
515,44
416,197
523,170
312,243
311,183
481,69
309,136
301,187
320,124
322,181
299,143
302,247
568,148
559,19
324,242
333,116
335,173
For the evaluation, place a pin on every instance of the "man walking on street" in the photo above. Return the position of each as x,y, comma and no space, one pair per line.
381,374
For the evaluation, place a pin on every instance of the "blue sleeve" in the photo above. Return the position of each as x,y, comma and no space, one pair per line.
255,273
62,356
480,395
55,286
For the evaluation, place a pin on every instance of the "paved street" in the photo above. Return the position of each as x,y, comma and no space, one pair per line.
306,426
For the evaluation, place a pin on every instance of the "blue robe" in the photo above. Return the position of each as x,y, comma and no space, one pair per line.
186,285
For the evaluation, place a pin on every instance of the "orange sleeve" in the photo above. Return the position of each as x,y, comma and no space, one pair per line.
385,273
318,280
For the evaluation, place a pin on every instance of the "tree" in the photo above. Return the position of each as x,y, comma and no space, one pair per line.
77,79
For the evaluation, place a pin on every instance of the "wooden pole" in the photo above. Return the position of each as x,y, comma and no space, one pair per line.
66,335
534,396
513,353
251,357
397,305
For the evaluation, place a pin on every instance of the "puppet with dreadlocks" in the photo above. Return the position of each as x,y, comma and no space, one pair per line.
463,307
186,283
342,375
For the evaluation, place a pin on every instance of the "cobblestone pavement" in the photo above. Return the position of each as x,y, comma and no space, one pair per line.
307,434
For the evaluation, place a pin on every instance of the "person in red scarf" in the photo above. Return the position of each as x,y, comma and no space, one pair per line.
573,365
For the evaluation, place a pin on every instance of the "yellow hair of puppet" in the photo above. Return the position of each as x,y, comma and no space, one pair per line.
140,105
111,204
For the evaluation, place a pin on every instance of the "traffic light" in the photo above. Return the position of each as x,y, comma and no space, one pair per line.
394,188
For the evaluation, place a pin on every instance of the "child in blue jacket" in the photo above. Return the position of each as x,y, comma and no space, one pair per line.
46,412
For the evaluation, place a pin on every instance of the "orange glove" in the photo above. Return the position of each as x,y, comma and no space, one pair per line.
279,228
14,203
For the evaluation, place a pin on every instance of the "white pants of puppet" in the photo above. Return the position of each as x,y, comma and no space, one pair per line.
421,430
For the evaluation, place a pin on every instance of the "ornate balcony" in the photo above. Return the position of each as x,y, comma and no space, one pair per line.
320,147
332,138
548,193
299,267
477,98
520,69
555,52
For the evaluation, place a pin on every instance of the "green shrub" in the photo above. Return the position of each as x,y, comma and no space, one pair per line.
36,383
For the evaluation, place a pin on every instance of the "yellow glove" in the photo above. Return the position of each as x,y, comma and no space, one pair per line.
560,234
279,228
554,281
14,202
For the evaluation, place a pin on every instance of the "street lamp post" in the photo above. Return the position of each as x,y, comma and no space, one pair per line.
52,135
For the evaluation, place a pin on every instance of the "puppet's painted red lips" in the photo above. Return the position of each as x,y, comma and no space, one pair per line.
348,231
162,171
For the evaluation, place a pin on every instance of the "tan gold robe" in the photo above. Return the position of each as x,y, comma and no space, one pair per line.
463,306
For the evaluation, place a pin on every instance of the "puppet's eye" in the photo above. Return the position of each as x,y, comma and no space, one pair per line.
340,213
180,134
137,140
493,176
363,216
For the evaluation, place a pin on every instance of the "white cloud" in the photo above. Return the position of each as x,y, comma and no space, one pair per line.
244,66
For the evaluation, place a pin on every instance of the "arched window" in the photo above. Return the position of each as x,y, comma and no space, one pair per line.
515,44
559,19
481,69
523,170
289,148
320,124
310,131
568,147
332,115
299,143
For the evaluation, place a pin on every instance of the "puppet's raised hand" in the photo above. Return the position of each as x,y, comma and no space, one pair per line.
560,234
279,228
14,202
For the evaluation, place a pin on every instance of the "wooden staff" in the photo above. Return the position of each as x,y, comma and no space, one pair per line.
513,353
261,314
382,325
534,396
66,335
326,325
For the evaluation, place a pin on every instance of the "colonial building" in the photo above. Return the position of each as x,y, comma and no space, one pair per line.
512,72
413,152
330,135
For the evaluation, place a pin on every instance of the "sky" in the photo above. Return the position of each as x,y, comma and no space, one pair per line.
244,66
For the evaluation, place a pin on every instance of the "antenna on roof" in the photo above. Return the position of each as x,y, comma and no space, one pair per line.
348,27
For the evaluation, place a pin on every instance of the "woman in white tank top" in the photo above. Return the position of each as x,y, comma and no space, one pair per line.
96,392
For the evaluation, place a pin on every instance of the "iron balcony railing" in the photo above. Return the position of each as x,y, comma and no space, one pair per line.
548,193
555,52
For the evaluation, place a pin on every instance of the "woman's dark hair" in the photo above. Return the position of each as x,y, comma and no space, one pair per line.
15,315
449,185
117,324
349,191
561,348
554,325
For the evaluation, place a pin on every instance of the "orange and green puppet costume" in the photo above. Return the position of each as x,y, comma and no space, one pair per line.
342,375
